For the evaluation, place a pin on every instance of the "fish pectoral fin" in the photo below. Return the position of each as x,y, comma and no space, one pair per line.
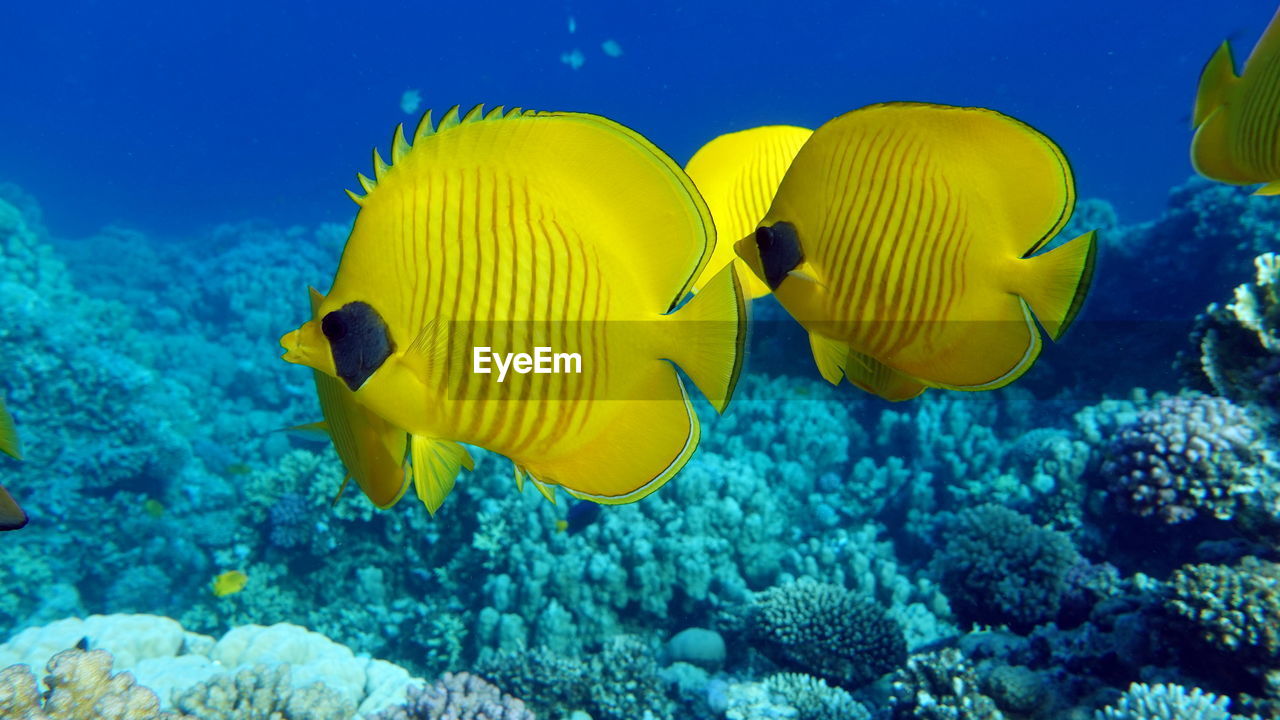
436,464
1271,188
1216,80
429,349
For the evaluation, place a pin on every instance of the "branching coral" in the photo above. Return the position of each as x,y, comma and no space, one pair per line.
940,685
814,699
262,692
998,567
1236,610
1165,702
827,631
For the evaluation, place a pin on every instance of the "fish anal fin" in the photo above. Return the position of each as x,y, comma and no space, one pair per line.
436,464
644,444
9,443
873,376
1271,188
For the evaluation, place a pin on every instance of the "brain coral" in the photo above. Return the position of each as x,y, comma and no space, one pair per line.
826,631
998,567
1187,454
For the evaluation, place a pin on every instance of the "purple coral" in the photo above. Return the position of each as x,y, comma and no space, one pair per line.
1186,455
457,696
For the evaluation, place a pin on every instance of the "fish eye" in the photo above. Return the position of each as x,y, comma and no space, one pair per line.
358,340
333,326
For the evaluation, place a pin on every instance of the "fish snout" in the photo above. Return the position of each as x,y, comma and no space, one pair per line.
306,346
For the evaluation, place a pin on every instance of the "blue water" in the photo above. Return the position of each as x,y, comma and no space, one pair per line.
171,180
173,116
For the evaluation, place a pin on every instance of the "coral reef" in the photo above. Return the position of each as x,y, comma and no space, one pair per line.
1165,702
826,631
81,686
1236,345
1235,610
814,699
262,692
997,567
940,685
1187,455
457,697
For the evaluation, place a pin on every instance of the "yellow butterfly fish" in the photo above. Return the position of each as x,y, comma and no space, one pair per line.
1237,118
737,174
515,281
905,238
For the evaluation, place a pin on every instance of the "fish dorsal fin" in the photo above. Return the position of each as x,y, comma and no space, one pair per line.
1216,80
401,146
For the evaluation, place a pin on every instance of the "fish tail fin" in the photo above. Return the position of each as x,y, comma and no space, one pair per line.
835,359
9,435
1055,283
436,464
1216,80
712,343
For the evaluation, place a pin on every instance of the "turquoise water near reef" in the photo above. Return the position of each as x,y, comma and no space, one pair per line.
1102,533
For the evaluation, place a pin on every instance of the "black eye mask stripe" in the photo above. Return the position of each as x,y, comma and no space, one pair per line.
359,341
780,251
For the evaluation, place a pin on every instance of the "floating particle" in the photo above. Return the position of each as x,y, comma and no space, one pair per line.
573,25
611,48
573,59
410,101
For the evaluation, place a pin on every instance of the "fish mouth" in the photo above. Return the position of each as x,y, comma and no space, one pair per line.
307,346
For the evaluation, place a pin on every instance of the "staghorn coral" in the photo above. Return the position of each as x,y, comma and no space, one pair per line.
1165,702
998,567
80,687
262,693
1186,455
827,631
459,696
1235,610
548,682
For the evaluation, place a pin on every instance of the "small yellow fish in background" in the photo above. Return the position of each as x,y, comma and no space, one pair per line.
238,469
513,230
371,450
229,583
153,507
12,516
1237,119
904,238
737,174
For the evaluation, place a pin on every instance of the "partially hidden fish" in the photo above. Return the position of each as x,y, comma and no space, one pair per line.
1237,118
907,239
504,232
12,516
738,173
